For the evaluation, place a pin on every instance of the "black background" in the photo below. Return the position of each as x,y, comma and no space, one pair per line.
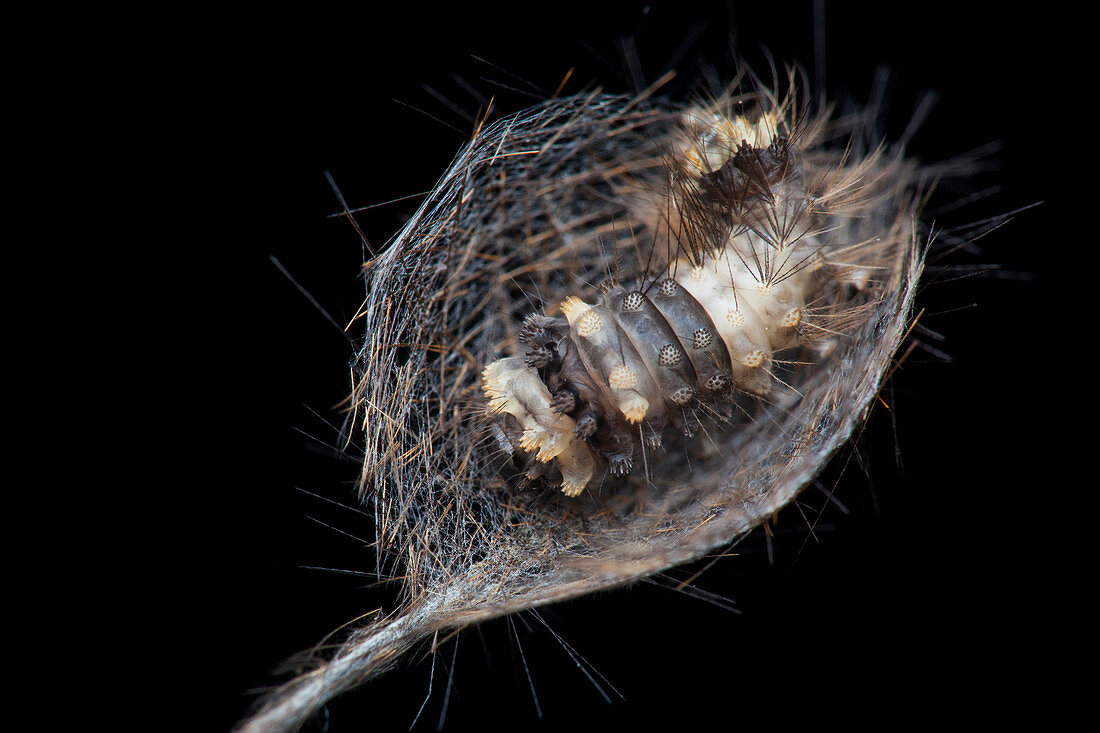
933,595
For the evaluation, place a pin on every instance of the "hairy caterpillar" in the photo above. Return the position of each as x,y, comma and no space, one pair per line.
759,234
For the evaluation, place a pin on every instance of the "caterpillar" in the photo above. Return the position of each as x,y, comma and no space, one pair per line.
767,249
